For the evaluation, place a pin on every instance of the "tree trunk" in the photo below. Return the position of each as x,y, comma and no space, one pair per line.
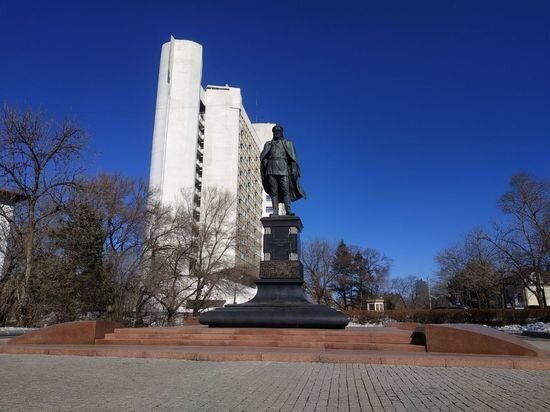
24,303
540,292
540,295
171,318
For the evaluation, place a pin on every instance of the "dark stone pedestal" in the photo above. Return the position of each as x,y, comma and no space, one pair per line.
280,301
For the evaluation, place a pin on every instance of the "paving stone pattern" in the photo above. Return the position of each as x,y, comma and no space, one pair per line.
47,383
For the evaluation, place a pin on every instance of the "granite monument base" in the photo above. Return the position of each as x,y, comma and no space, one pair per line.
277,304
280,300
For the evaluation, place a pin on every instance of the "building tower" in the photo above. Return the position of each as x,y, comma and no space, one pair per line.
203,139
179,124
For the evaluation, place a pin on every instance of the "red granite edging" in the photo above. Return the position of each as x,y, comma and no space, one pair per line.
79,332
283,355
476,339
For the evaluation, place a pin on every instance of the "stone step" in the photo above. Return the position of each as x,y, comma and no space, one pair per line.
380,338
245,343
356,332
133,341
398,347
343,333
352,339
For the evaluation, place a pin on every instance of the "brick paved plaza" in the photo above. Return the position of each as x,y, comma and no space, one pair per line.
45,383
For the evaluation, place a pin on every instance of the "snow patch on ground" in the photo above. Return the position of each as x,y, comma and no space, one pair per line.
365,325
516,329
13,331
531,327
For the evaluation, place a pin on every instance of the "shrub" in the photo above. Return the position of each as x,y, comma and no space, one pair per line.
490,317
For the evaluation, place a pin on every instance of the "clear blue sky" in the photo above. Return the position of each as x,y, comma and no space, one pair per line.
409,117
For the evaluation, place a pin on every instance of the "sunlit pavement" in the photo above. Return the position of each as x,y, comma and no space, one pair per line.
44,383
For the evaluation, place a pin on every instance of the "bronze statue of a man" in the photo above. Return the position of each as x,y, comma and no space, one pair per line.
280,171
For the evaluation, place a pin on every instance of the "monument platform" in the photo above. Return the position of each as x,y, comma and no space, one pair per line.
385,345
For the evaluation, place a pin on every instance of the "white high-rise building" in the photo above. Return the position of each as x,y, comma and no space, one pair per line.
204,139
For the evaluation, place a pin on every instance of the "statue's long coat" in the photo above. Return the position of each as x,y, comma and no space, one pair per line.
296,191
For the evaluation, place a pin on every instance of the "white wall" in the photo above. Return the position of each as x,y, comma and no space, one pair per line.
531,298
7,210
264,133
244,294
221,138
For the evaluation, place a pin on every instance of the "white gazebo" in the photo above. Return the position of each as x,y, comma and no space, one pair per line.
375,304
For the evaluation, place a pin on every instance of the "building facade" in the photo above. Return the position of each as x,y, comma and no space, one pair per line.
8,201
203,139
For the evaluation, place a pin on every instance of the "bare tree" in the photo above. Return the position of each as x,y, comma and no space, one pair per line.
215,246
123,205
191,261
373,269
409,292
524,246
317,258
168,252
404,290
471,272
357,275
36,156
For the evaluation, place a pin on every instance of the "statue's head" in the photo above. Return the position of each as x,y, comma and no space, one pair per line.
277,131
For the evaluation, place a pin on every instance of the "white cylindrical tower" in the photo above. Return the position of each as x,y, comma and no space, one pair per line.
173,158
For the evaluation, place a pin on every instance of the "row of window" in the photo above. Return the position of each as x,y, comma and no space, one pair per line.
250,196
198,168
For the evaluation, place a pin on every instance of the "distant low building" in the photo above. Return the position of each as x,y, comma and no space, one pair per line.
376,305
517,294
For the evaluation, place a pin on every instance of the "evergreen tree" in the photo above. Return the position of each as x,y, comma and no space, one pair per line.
79,241
344,269
362,281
